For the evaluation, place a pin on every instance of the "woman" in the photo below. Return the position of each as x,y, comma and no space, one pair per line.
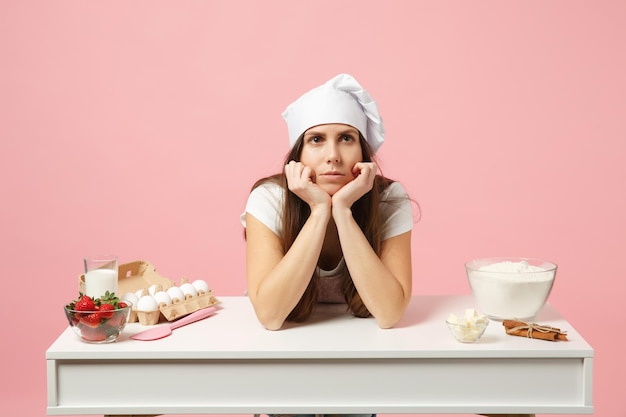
329,228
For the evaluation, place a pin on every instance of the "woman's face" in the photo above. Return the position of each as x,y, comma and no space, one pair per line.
331,150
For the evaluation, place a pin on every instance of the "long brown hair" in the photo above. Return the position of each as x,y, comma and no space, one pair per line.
366,212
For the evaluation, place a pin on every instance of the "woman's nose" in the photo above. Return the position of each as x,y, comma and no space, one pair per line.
333,153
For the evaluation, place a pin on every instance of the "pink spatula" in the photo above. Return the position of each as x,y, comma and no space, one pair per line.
166,329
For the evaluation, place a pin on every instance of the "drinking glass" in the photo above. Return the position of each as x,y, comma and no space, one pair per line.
100,275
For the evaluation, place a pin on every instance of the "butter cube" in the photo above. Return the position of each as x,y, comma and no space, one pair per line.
470,314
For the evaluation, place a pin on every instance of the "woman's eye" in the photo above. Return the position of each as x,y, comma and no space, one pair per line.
346,138
315,139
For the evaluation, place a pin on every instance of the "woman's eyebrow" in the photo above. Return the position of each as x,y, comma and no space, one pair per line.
349,132
314,133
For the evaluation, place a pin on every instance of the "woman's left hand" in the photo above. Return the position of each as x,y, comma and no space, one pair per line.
364,174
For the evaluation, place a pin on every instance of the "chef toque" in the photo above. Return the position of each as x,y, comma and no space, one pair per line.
339,100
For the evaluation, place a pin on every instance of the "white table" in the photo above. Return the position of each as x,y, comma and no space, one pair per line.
229,364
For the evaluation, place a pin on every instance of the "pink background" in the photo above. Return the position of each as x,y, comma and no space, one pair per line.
139,127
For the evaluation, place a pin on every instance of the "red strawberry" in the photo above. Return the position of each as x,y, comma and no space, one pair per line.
90,320
106,310
85,304
118,319
122,304
92,334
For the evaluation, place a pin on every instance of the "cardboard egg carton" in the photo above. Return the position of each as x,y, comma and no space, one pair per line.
141,275
180,308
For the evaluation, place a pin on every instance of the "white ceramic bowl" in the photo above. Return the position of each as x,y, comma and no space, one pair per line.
511,288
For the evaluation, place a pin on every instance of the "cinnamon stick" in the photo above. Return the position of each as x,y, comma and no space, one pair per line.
533,330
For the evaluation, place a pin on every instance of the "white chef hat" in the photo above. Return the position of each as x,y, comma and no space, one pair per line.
339,100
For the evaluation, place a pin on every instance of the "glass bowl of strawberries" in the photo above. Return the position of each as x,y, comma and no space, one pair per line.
99,320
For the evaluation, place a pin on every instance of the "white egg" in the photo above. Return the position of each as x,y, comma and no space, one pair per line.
188,289
176,294
162,297
131,298
147,303
139,293
153,289
200,285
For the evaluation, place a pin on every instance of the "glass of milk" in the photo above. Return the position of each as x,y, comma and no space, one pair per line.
100,275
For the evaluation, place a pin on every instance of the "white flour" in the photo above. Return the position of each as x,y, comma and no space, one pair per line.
510,266
508,290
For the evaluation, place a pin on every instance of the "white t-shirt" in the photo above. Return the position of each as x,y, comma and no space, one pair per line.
265,203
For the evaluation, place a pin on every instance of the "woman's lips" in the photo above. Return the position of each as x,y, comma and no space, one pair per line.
332,175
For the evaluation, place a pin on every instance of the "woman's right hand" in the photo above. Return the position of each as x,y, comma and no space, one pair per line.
301,181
